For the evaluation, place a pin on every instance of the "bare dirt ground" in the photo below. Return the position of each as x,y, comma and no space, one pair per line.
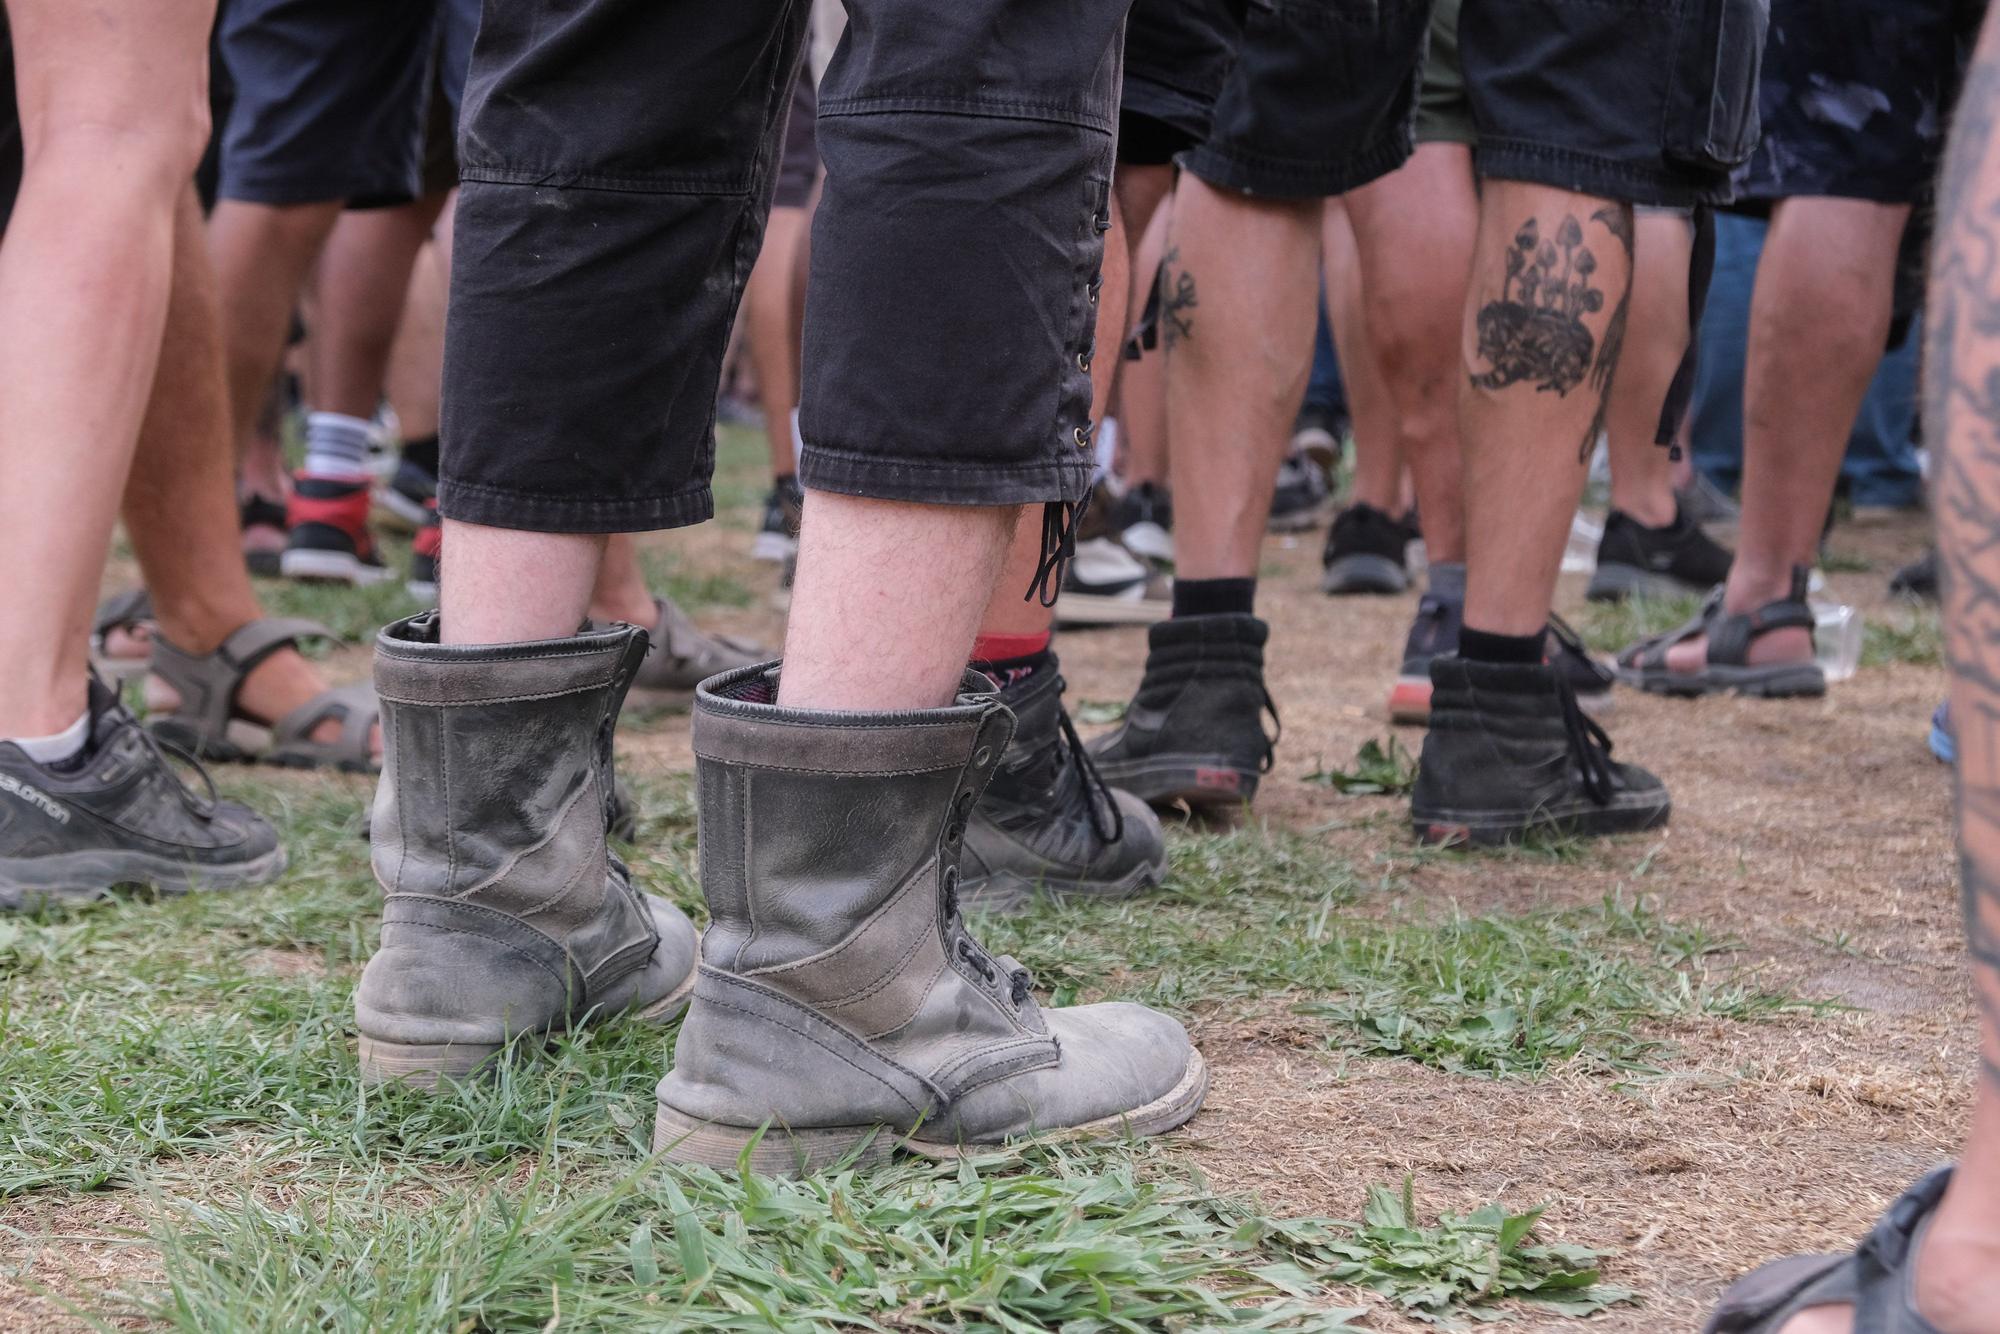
1815,833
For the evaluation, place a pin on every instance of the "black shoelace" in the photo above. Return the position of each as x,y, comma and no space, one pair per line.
1096,792
164,753
1572,643
1278,729
1059,525
1589,745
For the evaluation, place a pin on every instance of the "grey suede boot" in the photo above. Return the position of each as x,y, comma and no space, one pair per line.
840,1000
506,912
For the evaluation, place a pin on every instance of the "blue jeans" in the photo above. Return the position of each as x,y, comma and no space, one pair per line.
1881,463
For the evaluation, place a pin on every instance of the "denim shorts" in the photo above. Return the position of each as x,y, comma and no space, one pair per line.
1855,101
1648,101
331,95
617,168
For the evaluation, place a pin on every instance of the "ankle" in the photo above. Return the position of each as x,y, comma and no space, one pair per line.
196,622
1752,584
1957,1280
1653,509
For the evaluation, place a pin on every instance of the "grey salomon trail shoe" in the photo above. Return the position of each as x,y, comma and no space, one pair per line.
118,814
840,1001
1048,823
1194,732
506,913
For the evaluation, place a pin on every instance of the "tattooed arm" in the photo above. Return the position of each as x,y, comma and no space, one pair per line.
1962,414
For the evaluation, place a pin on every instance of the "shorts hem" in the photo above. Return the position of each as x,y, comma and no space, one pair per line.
1589,174
943,481
1251,174
283,194
535,511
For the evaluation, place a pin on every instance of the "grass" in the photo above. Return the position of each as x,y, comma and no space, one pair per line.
196,1053
1609,627
1378,770
1908,635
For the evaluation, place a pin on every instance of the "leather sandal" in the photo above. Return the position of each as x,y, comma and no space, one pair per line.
1728,667
1874,1278
209,724
130,611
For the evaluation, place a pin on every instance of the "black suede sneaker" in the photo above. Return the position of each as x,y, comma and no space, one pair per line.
1511,753
1302,495
1194,732
118,814
1365,552
1433,634
1048,823
1636,561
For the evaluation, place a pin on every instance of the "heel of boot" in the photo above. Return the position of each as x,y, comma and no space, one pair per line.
424,1065
777,1152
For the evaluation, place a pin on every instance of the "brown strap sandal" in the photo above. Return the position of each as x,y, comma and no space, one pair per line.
1874,1278
208,723
1728,668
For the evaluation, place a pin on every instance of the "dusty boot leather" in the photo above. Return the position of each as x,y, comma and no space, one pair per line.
506,913
1510,753
1194,732
1047,823
840,1005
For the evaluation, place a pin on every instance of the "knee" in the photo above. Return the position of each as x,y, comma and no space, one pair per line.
159,140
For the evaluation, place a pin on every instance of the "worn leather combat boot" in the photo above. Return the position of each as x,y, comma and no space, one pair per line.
841,1004
505,913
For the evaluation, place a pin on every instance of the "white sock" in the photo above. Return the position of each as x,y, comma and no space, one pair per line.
66,744
337,444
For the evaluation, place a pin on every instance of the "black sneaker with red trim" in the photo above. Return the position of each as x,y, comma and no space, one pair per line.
327,537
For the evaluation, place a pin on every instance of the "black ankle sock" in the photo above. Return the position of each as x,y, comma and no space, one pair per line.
1479,646
1214,597
423,453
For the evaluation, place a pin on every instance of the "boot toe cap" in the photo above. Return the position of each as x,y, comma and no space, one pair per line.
1124,1069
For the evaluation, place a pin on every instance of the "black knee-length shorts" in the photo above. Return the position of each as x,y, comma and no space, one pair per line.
617,160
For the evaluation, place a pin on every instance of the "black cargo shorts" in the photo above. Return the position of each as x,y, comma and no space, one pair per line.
1648,101
618,159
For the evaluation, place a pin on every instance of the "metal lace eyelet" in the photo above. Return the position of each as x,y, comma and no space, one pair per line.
1083,361
981,756
1082,438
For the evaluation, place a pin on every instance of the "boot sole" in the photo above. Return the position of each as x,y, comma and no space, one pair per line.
1364,573
1008,892
427,1065
1202,782
89,875
1580,819
1616,583
774,1151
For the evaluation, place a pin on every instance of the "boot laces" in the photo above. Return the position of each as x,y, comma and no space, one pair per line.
1572,643
1270,759
1059,525
1589,745
165,753
1106,820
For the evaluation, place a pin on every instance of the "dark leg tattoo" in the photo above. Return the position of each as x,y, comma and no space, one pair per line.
1535,330
1177,300
1962,414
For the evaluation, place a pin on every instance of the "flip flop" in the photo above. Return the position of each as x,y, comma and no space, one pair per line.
208,724
1874,1278
1728,667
